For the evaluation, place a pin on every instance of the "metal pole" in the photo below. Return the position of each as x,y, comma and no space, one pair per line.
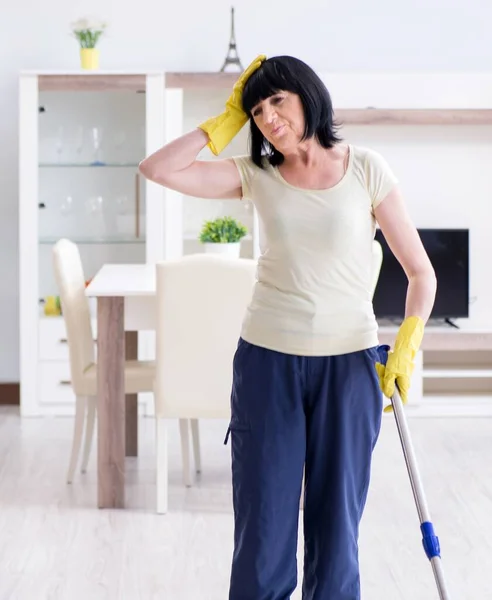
430,541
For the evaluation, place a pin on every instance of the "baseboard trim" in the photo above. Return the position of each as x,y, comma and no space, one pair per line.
9,394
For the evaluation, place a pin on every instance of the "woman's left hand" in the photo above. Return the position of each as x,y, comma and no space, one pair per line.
400,364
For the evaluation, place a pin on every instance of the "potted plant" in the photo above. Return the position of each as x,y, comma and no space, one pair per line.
88,32
223,236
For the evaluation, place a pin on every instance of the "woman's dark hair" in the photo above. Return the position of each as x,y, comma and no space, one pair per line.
286,73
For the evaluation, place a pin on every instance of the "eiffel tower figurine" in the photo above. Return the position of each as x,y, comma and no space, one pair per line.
232,61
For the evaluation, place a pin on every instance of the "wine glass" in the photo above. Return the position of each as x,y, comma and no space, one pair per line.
96,134
59,143
120,146
79,141
66,206
95,205
122,204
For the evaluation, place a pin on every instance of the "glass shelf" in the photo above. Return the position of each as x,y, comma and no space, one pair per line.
92,240
88,165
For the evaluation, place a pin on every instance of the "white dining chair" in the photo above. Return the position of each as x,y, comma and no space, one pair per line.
139,375
201,302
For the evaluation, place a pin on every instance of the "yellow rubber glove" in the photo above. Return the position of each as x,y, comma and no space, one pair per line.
400,364
222,129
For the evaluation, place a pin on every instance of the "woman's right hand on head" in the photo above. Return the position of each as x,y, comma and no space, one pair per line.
223,128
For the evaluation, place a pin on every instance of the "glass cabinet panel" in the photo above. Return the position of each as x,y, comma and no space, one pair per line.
90,191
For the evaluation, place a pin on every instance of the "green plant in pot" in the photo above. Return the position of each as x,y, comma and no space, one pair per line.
223,236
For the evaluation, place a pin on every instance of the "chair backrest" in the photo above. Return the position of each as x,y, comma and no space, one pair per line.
70,278
377,261
201,302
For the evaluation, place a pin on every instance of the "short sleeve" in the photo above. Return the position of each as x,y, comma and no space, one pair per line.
380,178
247,171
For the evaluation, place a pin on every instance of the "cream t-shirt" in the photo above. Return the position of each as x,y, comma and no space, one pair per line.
313,292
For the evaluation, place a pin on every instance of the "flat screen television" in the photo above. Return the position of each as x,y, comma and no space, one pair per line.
448,251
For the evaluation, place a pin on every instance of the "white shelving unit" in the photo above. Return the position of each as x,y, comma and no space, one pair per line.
453,373
483,373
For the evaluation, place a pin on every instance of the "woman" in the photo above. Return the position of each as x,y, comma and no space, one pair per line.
308,371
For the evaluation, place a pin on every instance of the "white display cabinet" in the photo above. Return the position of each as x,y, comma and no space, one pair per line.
81,137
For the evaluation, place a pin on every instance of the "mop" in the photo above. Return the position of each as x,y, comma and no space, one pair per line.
430,540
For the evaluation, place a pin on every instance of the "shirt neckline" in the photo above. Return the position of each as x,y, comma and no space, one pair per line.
339,183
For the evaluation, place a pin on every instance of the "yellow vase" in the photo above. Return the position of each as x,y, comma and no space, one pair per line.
52,306
89,58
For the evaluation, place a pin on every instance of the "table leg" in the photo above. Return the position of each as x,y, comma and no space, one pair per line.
110,402
131,400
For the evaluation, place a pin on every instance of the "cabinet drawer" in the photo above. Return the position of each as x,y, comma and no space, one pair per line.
53,343
54,383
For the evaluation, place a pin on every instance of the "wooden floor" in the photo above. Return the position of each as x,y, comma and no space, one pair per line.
55,545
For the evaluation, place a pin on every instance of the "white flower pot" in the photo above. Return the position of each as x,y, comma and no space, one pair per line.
230,250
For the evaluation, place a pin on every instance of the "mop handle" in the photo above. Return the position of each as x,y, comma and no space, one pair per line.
430,540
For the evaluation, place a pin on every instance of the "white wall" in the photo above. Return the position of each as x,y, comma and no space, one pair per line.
446,183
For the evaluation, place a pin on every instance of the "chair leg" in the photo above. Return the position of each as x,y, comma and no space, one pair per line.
78,429
161,465
184,427
195,437
89,431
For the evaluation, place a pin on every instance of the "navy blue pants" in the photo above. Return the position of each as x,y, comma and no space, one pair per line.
290,413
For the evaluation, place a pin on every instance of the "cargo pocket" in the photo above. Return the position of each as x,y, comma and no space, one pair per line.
236,426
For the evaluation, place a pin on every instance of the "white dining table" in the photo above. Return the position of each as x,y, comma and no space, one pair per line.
126,304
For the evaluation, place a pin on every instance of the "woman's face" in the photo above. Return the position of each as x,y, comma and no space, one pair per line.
280,118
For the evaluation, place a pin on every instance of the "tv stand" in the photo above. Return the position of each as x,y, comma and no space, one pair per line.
431,323
451,323
453,371
444,323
